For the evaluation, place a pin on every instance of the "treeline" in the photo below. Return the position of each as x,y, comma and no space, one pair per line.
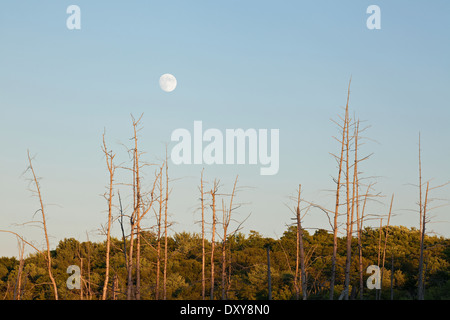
246,274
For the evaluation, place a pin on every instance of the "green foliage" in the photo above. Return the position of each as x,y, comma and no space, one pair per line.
247,261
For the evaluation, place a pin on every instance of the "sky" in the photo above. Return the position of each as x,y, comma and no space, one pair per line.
238,64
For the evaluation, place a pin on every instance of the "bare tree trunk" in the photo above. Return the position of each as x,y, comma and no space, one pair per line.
165,231
420,293
140,209
213,194
350,206
135,219
224,247
132,227
361,220
385,244
138,261
336,213
138,232
300,256
49,258
123,231
420,189
109,162
203,238
158,236
18,286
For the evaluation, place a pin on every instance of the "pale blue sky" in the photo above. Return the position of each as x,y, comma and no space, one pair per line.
248,64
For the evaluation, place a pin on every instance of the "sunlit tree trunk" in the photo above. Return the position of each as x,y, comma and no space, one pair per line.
109,163
166,200
44,224
203,238
338,188
385,244
213,195
420,294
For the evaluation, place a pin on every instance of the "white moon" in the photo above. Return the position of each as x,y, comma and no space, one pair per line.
167,82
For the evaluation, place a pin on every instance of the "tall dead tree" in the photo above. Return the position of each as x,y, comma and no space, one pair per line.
202,199
111,169
360,221
420,189
44,225
225,223
122,228
420,293
350,203
213,236
338,188
385,244
300,255
138,219
135,217
141,206
158,233
166,200
18,286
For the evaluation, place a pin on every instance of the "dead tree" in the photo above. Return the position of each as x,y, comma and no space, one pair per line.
111,169
338,188
44,224
226,219
166,200
385,244
140,209
135,216
122,228
350,203
225,223
420,190
300,252
202,199
158,234
420,293
213,193
138,219
22,243
18,286
360,221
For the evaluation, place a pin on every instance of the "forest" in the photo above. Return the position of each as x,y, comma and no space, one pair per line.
149,262
246,271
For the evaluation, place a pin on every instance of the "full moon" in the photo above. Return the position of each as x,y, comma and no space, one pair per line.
167,82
